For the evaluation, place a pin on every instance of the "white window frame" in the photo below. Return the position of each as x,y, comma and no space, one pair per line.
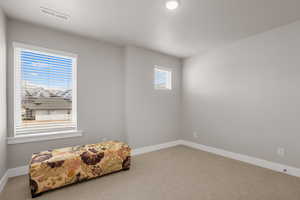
170,77
46,133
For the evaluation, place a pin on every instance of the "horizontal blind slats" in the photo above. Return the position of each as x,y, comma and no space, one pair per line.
45,67
37,55
44,95
44,61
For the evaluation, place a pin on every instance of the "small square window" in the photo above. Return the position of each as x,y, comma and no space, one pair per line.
162,78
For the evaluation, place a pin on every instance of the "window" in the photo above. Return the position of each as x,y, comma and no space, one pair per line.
45,90
162,78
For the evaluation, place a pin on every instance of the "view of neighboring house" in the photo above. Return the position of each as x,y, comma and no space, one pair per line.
42,104
46,108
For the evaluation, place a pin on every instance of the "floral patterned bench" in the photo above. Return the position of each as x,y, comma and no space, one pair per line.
53,169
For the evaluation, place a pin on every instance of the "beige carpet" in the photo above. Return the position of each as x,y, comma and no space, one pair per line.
178,173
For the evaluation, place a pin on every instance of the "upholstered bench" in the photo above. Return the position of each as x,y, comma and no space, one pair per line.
53,169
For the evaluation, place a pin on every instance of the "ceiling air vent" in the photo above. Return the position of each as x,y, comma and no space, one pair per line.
54,13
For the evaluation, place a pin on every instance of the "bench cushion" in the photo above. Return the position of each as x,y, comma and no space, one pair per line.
60,167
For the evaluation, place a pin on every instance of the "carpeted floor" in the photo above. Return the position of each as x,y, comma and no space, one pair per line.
176,173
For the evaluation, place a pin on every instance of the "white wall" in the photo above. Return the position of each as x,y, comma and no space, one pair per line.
245,97
3,163
152,116
102,70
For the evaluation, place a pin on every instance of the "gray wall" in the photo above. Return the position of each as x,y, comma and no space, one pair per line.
100,87
152,116
242,98
2,94
102,70
245,97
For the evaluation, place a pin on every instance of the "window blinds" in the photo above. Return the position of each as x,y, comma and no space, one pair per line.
44,91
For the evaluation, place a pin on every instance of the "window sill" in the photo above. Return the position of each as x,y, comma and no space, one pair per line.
43,137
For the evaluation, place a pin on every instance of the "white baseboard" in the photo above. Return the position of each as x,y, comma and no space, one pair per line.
18,171
23,170
3,181
157,147
293,171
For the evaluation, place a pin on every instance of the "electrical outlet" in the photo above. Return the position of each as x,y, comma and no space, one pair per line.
195,134
281,151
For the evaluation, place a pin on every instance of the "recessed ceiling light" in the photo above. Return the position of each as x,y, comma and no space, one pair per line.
172,4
